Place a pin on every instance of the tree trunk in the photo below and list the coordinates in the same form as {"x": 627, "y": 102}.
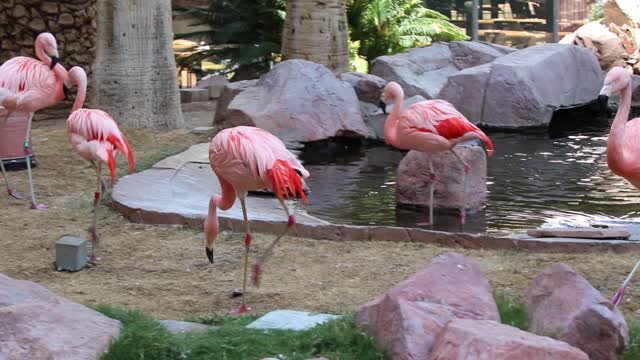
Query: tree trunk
{"x": 135, "y": 78}
{"x": 317, "y": 31}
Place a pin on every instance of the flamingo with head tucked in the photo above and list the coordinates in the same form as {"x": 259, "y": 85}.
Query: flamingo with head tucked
{"x": 623, "y": 145}
{"x": 430, "y": 126}
{"x": 28, "y": 85}
{"x": 95, "y": 136}
{"x": 248, "y": 158}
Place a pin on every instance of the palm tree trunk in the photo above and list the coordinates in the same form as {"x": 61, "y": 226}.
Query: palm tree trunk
{"x": 317, "y": 31}
{"x": 135, "y": 78}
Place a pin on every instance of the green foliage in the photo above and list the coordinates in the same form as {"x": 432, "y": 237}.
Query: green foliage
{"x": 512, "y": 312}
{"x": 596, "y": 13}
{"x": 633, "y": 350}
{"x": 356, "y": 61}
{"x": 391, "y": 26}
{"x": 246, "y": 33}
{"x": 144, "y": 338}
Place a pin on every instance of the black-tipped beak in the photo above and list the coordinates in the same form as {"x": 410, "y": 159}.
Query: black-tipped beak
{"x": 383, "y": 106}
{"x": 603, "y": 99}
{"x": 54, "y": 61}
{"x": 66, "y": 91}
{"x": 209, "y": 254}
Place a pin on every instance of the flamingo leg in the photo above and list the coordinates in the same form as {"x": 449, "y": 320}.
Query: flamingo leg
{"x": 431, "y": 189}
{"x": 27, "y": 152}
{"x": 620, "y": 293}
{"x": 247, "y": 245}
{"x": 10, "y": 189}
{"x": 257, "y": 267}
{"x": 463, "y": 209}
{"x": 96, "y": 203}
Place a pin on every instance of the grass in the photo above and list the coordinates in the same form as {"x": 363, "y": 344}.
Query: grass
{"x": 144, "y": 338}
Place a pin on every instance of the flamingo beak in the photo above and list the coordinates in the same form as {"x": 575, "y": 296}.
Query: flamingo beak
{"x": 209, "y": 254}
{"x": 383, "y": 106}
{"x": 54, "y": 61}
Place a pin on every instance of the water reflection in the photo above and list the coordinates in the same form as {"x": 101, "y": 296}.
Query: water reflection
{"x": 533, "y": 179}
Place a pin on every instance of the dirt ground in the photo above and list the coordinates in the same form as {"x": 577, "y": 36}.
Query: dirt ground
{"x": 163, "y": 270}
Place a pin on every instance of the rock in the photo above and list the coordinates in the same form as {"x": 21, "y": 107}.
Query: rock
{"x": 227, "y": 94}
{"x": 290, "y": 320}
{"x": 299, "y": 101}
{"x": 522, "y": 89}
{"x": 413, "y": 179}
{"x": 635, "y": 85}
{"x": 368, "y": 87}
{"x": 180, "y": 327}
{"x": 38, "y": 324}
{"x": 423, "y": 71}
{"x": 605, "y": 45}
{"x": 622, "y": 12}
{"x": 483, "y": 339}
{"x": 214, "y": 84}
{"x": 563, "y": 304}
{"x": 193, "y": 95}
{"x": 406, "y": 319}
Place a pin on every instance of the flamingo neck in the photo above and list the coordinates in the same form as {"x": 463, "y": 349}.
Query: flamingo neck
{"x": 41, "y": 55}
{"x": 224, "y": 202}
{"x": 391, "y": 124}
{"x": 615, "y": 145}
{"x": 81, "y": 95}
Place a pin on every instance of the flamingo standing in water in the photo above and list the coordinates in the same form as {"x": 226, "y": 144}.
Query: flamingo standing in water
{"x": 28, "y": 85}
{"x": 248, "y": 158}
{"x": 429, "y": 126}
{"x": 95, "y": 136}
{"x": 623, "y": 146}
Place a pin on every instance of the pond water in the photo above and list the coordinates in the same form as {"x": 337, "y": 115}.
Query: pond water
{"x": 534, "y": 178}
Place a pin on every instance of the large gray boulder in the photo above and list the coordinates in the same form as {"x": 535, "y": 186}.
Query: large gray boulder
{"x": 562, "y": 304}
{"x": 38, "y": 324}
{"x": 227, "y": 94}
{"x": 423, "y": 71}
{"x": 522, "y": 89}
{"x": 368, "y": 87}
{"x": 298, "y": 101}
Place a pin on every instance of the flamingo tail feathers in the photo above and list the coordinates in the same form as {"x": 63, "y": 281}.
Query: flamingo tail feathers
{"x": 122, "y": 145}
{"x": 111, "y": 163}
{"x": 285, "y": 181}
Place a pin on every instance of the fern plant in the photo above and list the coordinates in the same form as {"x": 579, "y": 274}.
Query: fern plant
{"x": 391, "y": 26}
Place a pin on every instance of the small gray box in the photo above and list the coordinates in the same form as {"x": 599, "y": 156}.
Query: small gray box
{"x": 71, "y": 253}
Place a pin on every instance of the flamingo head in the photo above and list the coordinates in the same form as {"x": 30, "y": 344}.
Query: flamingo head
{"x": 211, "y": 225}
{"x": 48, "y": 43}
{"x": 75, "y": 77}
{"x": 391, "y": 93}
{"x": 616, "y": 80}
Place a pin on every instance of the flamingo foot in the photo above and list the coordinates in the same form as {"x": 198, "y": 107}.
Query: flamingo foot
{"x": 94, "y": 259}
{"x": 618, "y": 297}
{"x": 14, "y": 194}
{"x": 35, "y": 206}
{"x": 467, "y": 168}
{"x": 432, "y": 178}
{"x": 257, "y": 274}
{"x": 241, "y": 310}
{"x": 463, "y": 217}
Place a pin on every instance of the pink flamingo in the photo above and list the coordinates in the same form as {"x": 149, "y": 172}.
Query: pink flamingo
{"x": 95, "y": 136}
{"x": 248, "y": 158}
{"x": 28, "y": 85}
{"x": 430, "y": 126}
{"x": 623, "y": 146}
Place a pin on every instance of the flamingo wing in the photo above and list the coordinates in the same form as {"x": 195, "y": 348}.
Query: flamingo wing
{"x": 442, "y": 118}
{"x": 23, "y": 73}
{"x": 251, "y": 158}
{"x": 97, "y": 126}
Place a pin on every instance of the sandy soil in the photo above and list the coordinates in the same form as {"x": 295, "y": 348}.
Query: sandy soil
{"x": 163, "y": 270}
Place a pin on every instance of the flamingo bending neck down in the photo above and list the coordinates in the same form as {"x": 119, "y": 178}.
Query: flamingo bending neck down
{"x": 623, "y": 145}
{"x": 95, "y": 136}
{"x": 28, "y": 85}
{"x": 430, "y": 126}
{"x": 248, "y": 158}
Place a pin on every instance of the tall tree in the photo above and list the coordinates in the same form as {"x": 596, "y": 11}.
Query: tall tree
{"x": 135, "y": 77}
{"x": 317, "y": 31}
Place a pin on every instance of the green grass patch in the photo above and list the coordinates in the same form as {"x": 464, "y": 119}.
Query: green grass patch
{"x": 144, "y": 338}
{"x": 633, "y": 351}
{"x": 512, "y": 312}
